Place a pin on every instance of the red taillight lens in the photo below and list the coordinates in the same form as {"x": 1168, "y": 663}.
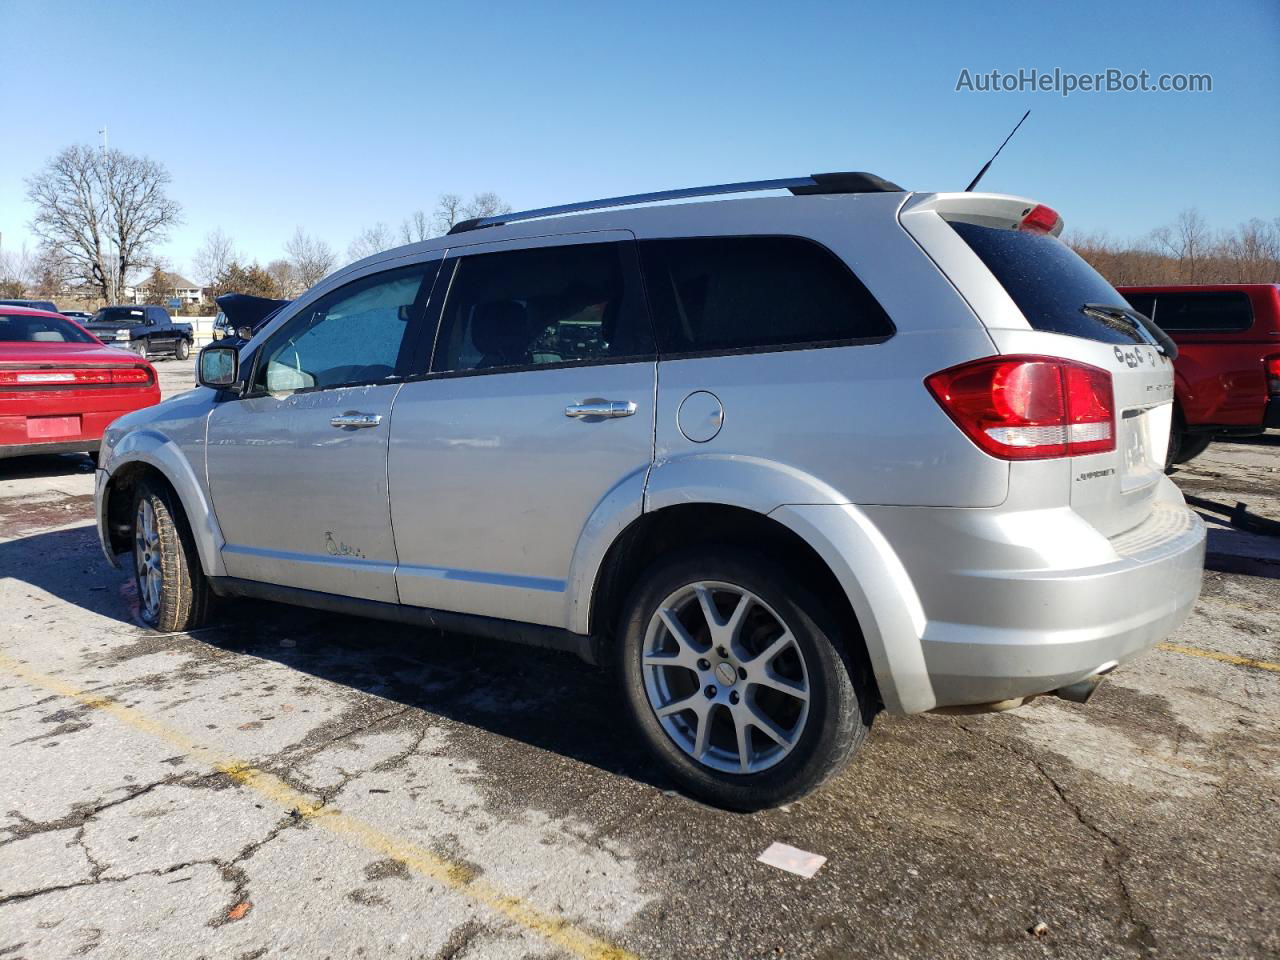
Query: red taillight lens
{"x": 1273, "y": 374}
{"x": 1039, "y": 219}
{"x": 1030, "y": 408}
{"x": 131, "y": 375}
{"x": 76, "y": 376}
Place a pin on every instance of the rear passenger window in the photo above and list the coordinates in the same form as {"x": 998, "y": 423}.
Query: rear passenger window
{"x": 755, "y": 293}
{"x": 1203, "y": 312}
{"x": 548, "y": 305}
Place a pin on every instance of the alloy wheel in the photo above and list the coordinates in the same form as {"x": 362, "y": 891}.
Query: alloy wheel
{"x": 725, "y": 677}
{"x": 146, "y": 558}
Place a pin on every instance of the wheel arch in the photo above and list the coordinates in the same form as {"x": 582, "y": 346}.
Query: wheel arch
{"x": 145, "y": 455}
{"x": 680, "y": 526}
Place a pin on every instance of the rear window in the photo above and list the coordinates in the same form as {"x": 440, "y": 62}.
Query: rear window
{"x": 1203, "y": 312}
{"x": 712, "y": 294}
{"x": 1049, "y": 283}
{"x": 20, "y": 328}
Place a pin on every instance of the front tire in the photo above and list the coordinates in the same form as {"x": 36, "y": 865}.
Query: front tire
{"x": 173, "y": 594}
{"x": 733, "y": 675}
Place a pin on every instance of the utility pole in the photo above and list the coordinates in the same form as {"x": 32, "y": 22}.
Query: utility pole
{"x": 115, "y": 265}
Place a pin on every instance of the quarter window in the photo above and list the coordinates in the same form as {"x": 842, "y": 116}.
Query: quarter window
{"x": 1203, "y": 312}
{"x": 548, "y": 305}
{"x": 755, "y": 293}
{"x": 352, "y": 335}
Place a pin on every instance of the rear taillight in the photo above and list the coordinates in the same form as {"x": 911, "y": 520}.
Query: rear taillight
{"x": 1030, "y": 408}
{"x": 76, "y": 376}
{"x": 1273, "y": 375}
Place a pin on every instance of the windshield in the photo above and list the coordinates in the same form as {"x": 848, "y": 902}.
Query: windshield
{"x": 119, "y": 315}
{"x": 1051, "y": 284}
{"x": 21, "y": 328}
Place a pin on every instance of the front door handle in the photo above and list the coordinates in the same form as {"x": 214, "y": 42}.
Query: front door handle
{"x": 604, "y": 409}
{"x": 356, "y": 420}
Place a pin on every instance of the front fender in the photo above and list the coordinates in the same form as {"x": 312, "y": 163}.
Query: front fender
{"x": 156, "y": 450}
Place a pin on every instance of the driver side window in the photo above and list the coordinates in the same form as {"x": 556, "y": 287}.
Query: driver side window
{"x": 352, "y": 335}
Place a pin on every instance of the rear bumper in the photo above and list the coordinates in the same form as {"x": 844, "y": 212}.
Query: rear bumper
{"x": 39, "y": 449}
{"x": 1018, "y": 603}
{"x": 1038, "y": 631}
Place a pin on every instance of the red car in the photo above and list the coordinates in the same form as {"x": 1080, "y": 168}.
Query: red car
{"x": 60, "y": 386}
{"x": 1227, "y": 375}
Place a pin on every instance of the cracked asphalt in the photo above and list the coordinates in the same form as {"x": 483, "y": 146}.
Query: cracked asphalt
{"x": 295, "y": 784}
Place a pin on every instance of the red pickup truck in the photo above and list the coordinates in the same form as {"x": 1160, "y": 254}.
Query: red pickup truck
{"x": 1227, "y": 375}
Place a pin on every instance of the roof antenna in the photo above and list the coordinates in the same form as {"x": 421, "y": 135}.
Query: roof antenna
{"x": 987, "y": 166}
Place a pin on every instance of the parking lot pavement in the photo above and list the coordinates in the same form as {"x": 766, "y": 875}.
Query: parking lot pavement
{"x": 300, "y": 784}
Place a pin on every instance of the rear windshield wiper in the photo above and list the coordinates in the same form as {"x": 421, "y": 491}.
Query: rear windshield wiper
{"x": 1110, "y": 313}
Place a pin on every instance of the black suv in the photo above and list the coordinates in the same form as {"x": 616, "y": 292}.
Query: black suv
{"x": 147, "y": 330}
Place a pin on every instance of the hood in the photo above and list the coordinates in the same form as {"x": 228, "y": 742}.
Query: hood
{"x": 243, "y": 310}
{"x": 65, "y": 353}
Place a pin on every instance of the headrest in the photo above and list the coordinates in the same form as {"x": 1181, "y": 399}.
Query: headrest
{"x": 501, "y": 329}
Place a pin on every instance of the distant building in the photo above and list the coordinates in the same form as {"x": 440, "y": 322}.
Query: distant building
{"x": 181, "y": 289}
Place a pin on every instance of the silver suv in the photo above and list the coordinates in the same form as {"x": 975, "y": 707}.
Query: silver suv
{"x": 780, "y": 461}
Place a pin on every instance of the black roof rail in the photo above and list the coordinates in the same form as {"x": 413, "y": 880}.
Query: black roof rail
{"x": 849, "y": 182}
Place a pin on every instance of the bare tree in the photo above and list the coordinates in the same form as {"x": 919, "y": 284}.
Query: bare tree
{"x": 487, "y": 204}
{"x": 311, "y": 258}
{"x": 213, "y": 256}
{"x": 282, "y": 276}
{"x": 415, "y": 228}
{"x": 371, "y": 240}
{"x": 50, "y": 274}
{"x": 451, "y": 210}
{"x": 16, "y": 273}
{"x": 102, "y": 211}
{"x": 1253, "y": 251}
{"x": 1186, "y": 241}
{"x": 1187, "y": 252}
{"x": 448, "y": 212}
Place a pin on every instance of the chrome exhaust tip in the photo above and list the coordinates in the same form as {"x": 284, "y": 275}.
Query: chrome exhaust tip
{"x": 1082, "y": 691}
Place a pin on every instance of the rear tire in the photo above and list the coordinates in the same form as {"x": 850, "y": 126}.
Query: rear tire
{"x": 1184, "y": 446}
{"x": 173, "y": 594}
{"x": 775, "y": 663}
{"x": 182, "y": 350}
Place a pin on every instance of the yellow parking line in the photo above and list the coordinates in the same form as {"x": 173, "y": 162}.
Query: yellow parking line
{"x": 454, "y": 876}
{"x": 1223, "y": 657}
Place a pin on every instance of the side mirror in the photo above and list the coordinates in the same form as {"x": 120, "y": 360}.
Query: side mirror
{"x": 244, "y": 333}
{"x": 218, "y": 367}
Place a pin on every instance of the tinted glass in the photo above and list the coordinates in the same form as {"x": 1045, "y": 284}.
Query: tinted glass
{"x": 33, "y": 304}
{"x": 120, "y": 315}
{"x": 535, "y": 307}
{"x": 352, "y": 335}
{"x": 1049, "y": 283}
{"x": 1144, "y": 303}
{"x": 751, "y": 293}
{"x": 18, "y": 328}
{"x": 1204, "y": 312}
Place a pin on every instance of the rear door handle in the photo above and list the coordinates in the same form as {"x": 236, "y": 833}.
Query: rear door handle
{"x": 604, "y": 409}
{"x": 356, "y": 420}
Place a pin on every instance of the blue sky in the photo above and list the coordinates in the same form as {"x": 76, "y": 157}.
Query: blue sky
{"x": 334, "y": 115}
